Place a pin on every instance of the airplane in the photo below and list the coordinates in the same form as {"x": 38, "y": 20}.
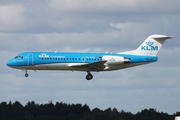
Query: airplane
{"x": 90, "y": 62}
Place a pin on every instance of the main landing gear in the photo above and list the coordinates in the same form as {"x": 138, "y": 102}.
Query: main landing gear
{"x": 89, "y": 76}
{"x": 26, "y": 74}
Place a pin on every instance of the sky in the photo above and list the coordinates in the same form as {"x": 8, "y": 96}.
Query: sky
{"x": 92, "y": 26}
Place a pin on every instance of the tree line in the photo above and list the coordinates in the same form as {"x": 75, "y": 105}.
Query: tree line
{"x": 63, "y": 111}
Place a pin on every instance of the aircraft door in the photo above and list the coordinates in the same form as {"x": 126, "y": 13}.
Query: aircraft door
{"x": 30, "y": 59}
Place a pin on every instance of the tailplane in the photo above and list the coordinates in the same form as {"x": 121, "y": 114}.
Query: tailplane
{"x": 151, "y": 45}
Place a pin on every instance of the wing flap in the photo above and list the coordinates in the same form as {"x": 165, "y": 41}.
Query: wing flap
{"x": 95, "y": 66}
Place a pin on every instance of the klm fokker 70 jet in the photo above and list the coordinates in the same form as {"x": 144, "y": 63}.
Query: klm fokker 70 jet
{"x": 89, "y": 62}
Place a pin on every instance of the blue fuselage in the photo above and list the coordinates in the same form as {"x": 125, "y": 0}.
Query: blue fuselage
{"x": 64, "y": 60}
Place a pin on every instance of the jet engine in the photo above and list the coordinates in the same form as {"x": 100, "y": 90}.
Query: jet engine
{"x": 115, "y": 59}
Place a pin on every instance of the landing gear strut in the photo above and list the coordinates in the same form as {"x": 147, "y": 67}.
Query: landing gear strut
{"x": 26, "y": 74}
{"x": 89, "y": 76}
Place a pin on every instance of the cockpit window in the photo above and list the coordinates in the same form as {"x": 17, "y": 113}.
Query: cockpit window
{"x": 20, "y": 57}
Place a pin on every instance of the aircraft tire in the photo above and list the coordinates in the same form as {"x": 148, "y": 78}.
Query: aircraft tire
{"x": 26, "y": 75}
{"x": 89, "y": 77}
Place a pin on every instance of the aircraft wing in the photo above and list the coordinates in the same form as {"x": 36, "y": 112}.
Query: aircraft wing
{"x": 95, "y": 66}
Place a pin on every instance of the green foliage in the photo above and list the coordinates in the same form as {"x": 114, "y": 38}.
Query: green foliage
{"x": 63, "y": 111}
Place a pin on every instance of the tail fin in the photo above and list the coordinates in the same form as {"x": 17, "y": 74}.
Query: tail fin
{"x": 151, "y": 45}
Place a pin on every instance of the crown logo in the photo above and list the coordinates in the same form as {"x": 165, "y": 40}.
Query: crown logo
{"x": 149, "y": 43}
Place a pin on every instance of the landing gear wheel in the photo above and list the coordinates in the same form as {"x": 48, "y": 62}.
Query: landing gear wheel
{"x": 89, "y": 76}
{"x": 26, "y": 75}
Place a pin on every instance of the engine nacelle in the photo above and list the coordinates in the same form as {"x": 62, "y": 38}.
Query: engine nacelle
{"x": 115, "y": 59}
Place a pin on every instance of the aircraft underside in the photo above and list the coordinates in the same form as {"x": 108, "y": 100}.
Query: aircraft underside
{"x": 62, "y": 66}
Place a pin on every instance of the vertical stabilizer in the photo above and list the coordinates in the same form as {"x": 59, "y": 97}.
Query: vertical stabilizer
{"x": 151, "y": 45}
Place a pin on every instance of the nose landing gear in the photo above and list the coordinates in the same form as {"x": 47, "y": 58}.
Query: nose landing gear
{"x": 26, "y": 74}
{"x": 89, "y": 76}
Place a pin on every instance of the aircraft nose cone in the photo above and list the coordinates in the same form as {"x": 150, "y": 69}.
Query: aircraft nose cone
{"x": 9, "y": 63}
